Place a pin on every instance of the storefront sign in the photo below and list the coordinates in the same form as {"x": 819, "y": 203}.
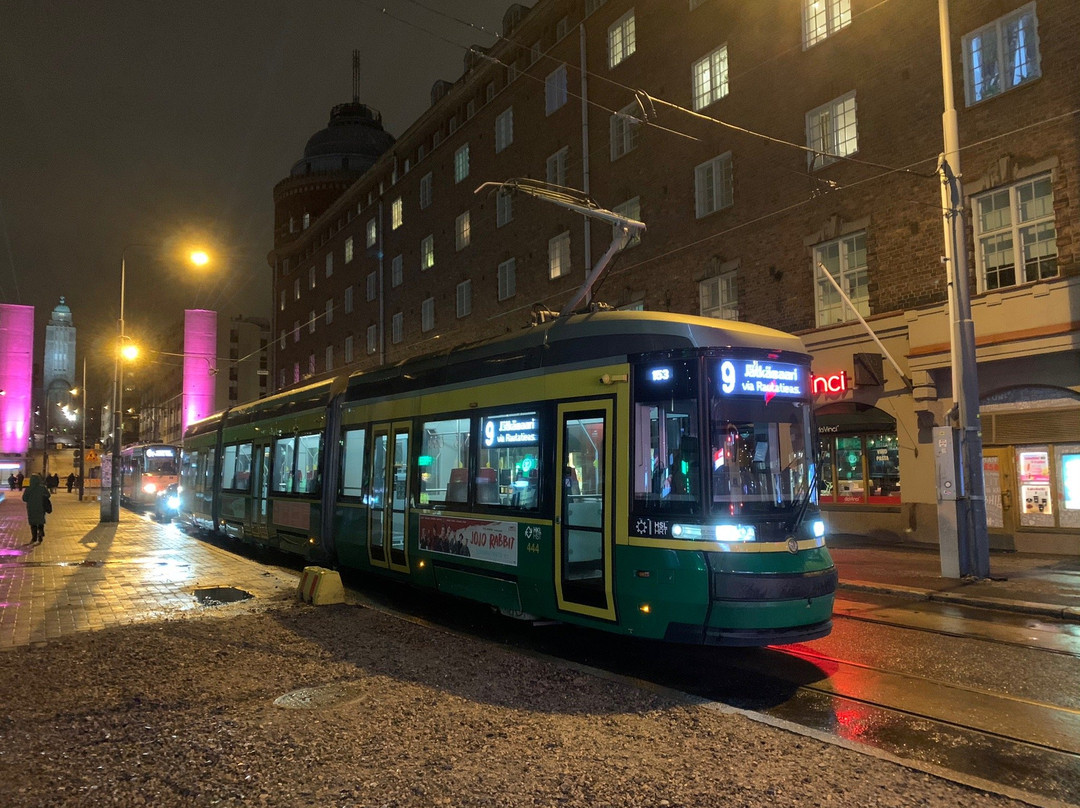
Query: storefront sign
{"x": 830, "y": 384}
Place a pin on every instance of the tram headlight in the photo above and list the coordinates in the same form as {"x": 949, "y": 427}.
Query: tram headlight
{"x": 685, "y": 531}
{"x": 150, "y": 488}
{"x": 735, "y": 533}
{"x": 818, "y": 528}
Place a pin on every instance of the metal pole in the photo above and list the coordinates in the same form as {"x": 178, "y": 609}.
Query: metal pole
{"x": 973, "y": 545}
{"x": 82, "y": 443}
{"x": 45, "y": 440}
{"x": 118, "y": 400}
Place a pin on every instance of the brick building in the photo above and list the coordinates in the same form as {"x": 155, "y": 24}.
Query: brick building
{"x": 758, "y": 142}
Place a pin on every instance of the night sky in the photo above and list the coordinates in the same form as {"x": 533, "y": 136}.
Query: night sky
{"x": 152, "y": 122}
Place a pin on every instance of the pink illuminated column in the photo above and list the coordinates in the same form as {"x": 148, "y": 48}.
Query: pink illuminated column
{"x": 16, "y": 376}
{"x": 200, "y": 364}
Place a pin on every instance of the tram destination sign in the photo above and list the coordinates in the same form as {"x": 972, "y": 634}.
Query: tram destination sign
{"x": 753, "y": 377}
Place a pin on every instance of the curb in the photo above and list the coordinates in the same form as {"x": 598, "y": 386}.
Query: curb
{"x": 1070, "y": 613}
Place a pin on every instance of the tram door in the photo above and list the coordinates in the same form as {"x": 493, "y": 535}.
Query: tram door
{"x": 583, "y": 523}
{"x": 388, "y": 497}
{"x": 260, "y": 486}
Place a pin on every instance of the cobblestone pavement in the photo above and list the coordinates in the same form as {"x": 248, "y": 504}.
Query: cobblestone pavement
{"x": 88, "y": 575}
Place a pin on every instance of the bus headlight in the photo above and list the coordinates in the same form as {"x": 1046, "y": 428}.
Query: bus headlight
{"x": 819, "y": 528}
{"x": 150, "y": 488}
{"x": 173, "y": 503}
{"x": 735, "y": 533}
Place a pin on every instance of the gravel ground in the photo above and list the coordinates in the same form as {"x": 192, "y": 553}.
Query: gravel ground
{"x": 183, "y": 713}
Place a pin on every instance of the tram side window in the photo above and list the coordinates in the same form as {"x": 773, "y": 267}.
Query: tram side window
{"x": 667, "y": 449}
{"x": 236, "y": 467}
{"x": 307, "y": 463}
{"x": 508, "y": 461}
{"x": 228, "y": 467}
{"x": 352, "y": 463}
{"x": 208, "y": 471}
{"x": 284, "y": 457}
{"x": 444, "y": 461}
{"x": 189, "y": 470}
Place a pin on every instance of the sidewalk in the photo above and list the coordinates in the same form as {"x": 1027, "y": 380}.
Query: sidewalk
{"x": 87, "y": 575}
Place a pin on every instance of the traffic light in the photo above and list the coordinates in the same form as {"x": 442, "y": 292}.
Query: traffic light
{"x": 77, "y": 453}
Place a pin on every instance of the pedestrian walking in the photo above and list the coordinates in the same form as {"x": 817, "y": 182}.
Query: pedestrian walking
{"x": 71, "y": 481}
{"x": 52, "y": 482}
{"x": 11, "y": 481}
{"x": 38, "y": 503}
{"x": 18, "y": 481}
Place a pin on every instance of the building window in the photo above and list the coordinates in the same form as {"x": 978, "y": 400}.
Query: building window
{"x": 559, "y": 255}
{"x": 311, "y": 322}
{"x": 462, "y": 231}
{"x": 281, "y": 306}
{"x": 348, "y": 249}
{"x": 470, "y": 109}
{"x": 329, "y": 311}
{"x": 348, "y": 349}
{"x": 311, "y": 277}
{"x": 425, "y": 191}
{"x": 307, "y": 221}
{"x": 631, "y": 209}
{"x": 372, "y": 281}
{"x": 719, "y": 297}
{"x": 504, "y": 208}
{"x": 1018, "y": 219}
{"x": 427, "y": 314}
{"x": 555, "y": 89}
{"x": 713, "y": 186}
{"x": 621, "y": 40}
{"x": 373, "y": 339}
{"x": 397, "y": 328}
{"x": 845, "y": 260}
{"x": 464, "y": 299}
{"x": 831, "y": 131}
{"x": 592, "y": 5}
{"x": 710, "y": 78}
{"x": 296, "y": 289}
{"x": 489, "y": 92}
{"x": 311, "y": 364}
{"x": 281, "y": 340}
{"x": 296, "y": 331}
{"x": 534, "y": 53}
{"x": 372, "y": 233}
{"x": 453, "y": 124}
{"x": 348, "y": 300}
{"x": 329, "y": 264}
{"x": 329, "y": 357}
{"x": 562, "y": 28}
{"x": 1001, "y": 55}
{"x": 397, "y": 271}
{"x": 504, "y": 129}
{"x": 461, "y": 163}
{"x": 823, "y": 18}
{"x": 623, "y": 127}
{"x": 296, "y": 372}
{"x": 427, "y": 253}
{"x": 396, "y": 214}
{"x": 556, "y": 167}
{"x": 507, "y": 279}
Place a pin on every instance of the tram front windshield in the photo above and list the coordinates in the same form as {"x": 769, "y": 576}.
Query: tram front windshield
{"x": 160, "y": 461}
{"x": 759, "y": 461}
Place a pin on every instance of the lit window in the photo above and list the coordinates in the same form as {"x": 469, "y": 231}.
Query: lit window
{"x": 504, "y": 208}
{"x": 710, "y": 78}
{"x": 631, "y": 209}
{"x": 1016, "y": 222}
{"x": 348, "y": 249}
{"x": 372, "y": 279}
{"x": 307, "y": 221}
{"x": 281, "y": 340}
{"x": 556, "y": 167}
{"x": 845, "y": 260}
{"x": 395, "y": 214}
{"x": 507, "y": 279}
{"x": 719, "y": 296}
{"x": 462, "y": 231}
{"x": 831, "y": 131}
{"x": 425, "y": 191}
{"x": 464, "y": 299}
{"x": 311, "y": 364}
{"x": 461, "y": 163}
{"x": 427, "y": 252}
{"x": 296, "y": 372}
{"x": 281, "y": 306}
{"x": 555, "y": 89}
{"x": 823, "y": 18}
{"x": 296, "y": 289}
{"x": 621, "y": 39}
{"x": 713, "y": 186}
{"x": 372, "y": 233}
{"x": 329, "y": 264}
{"x": 427, "y": 314}
{"x": 559, "y": 255}
{"x": 624, "y": 126}
{"x": 397, "y": 270}
{"x": 1001, "y": 55}
{"x": 372, "y": 339}
{"x": 397, "y": 328}
{"x": 311, "y": 277}
{"x": 504, "y": 129}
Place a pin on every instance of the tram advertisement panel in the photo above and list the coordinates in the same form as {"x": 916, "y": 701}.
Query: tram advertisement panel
{"x": 474, "y": 538}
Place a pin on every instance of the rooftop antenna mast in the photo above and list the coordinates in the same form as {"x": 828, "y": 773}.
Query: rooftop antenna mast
{"x": 571, "y": 199}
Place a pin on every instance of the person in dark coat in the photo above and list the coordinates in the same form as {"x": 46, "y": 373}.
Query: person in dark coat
{"x": 11, "y": 482}
{"x": 36, "y": 496}
{"x": 19, "y": 481}
{"x": 71, "y": 481}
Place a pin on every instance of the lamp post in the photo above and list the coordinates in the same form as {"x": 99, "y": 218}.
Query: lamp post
{"x": 82, "y": 441}
{"x": 968, "y": 522}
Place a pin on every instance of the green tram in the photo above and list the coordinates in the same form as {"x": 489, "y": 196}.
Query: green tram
{"x": 642, "y": 473}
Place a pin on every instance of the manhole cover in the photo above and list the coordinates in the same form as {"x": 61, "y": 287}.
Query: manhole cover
{"x": 312, "y": 698}
{"x": 220, "y": 595}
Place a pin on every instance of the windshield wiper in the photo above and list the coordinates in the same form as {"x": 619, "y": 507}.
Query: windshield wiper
{"x": 803, "y": 504}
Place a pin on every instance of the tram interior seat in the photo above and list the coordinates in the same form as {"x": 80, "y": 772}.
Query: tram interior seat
{"x": 457, "y": 489}
{"x": 525, "y": 496}
{"x": 487, "y": 488}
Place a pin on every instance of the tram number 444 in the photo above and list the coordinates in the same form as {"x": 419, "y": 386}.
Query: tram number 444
{"x": 533, "y": 547}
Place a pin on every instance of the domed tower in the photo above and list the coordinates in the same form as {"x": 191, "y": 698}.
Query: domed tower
{"x": 59, "y": 365}
{"x": 334, "y": 159}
